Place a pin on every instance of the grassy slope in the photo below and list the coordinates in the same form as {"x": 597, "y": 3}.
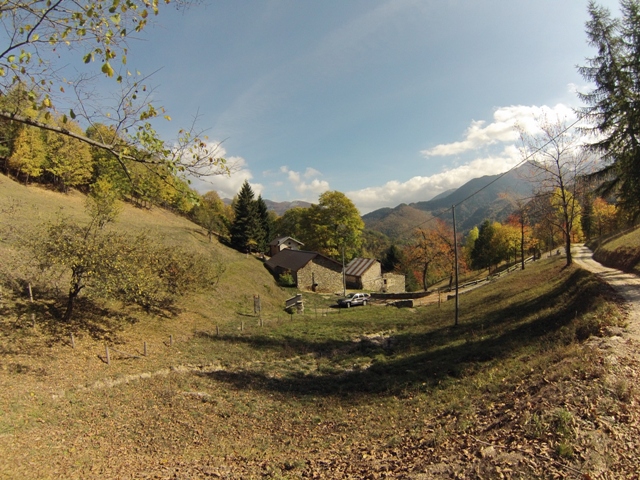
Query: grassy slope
{"x": 369, "y": 392}
{"x": 620, "y": 251}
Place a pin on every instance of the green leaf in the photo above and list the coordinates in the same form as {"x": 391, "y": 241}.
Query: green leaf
{"x": 72, "y": 114}
{"x": 107, "y": 70}
{"x": 87, "y": 58}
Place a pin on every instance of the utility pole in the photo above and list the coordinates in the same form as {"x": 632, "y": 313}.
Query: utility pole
{"x": 344, "y": 278}
{"x": 455, "y": 255}
{"x": 340, "y": 229}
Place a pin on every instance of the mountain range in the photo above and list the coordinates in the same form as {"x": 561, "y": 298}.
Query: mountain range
{"x": 488, "y": 197}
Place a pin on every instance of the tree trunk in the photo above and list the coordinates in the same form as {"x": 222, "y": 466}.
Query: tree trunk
{"x": 70, "y": 300}
{"x": 73, "y": 293}
{"x": 425, "y": 269}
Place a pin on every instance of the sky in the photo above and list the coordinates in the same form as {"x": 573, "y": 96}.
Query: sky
{"x": 389, "y": 102}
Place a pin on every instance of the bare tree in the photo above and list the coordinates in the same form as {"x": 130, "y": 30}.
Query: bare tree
{"x": 559, "y": 161}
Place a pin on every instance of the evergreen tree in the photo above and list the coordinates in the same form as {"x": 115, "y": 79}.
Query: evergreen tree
{"x": 264, "y": 224}
{"x": 392, "y": 260}
{"x": 613, "y": 106}
{"x": 245, "y": 231}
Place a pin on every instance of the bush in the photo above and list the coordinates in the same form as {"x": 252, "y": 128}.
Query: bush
{"x": 287, "y": 280}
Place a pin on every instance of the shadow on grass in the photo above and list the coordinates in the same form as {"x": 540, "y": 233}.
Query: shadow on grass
{"x": 91, "y": 318}
{"x": 426, "y": 359}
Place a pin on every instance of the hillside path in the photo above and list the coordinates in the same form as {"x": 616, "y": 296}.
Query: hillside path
{"x": 627, "y": 285}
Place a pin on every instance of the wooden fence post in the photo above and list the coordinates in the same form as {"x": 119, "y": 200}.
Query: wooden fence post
{"x": 30, "y": 293}
{"x": 171, "y": 340}
{"x": 107, "y": 354}
{"x": 73, "y": 341}
{"x": 144, "y": 348}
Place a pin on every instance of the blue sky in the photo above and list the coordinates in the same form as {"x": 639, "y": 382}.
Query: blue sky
{"x": 387, "y": 101}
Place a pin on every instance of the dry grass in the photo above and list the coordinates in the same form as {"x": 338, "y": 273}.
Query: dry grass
{"x": 621, "y": 251}
{"x": 370, "y": 392}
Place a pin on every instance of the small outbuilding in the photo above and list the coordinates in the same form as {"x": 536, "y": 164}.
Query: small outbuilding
{"x": 366, "y": 274}
{"x": 281, "y": 243}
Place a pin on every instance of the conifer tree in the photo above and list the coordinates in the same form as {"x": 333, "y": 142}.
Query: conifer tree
{"x": 264, "y": 224}
{"x": 245, "y": 231}
{"x": 613, "y": 106}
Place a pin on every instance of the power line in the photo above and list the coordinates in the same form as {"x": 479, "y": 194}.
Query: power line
{"x": 518, "y": 165}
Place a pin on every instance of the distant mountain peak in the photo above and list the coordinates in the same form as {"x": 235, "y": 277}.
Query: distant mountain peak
{"x": 477, "y": 200}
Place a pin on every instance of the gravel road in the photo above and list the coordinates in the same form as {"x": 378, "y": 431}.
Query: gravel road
{"x": 626, "y": 284}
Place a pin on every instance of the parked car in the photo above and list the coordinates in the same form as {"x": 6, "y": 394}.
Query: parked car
{"x": 354, "y": 299}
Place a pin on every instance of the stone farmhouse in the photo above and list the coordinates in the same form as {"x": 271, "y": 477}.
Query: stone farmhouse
{"x": 311, "y": 271}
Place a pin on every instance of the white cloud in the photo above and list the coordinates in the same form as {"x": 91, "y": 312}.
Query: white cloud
{"x": 305, "y": 184}
{"x": 500, "y": 133}
{"x": 228, "y": 186}
{"x": 501, "y": 130}
{"x": 419, "y": 188}
{"x": 311, "y": 172}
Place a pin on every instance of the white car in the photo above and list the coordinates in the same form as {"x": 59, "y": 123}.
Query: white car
{"x": 354, "y": 299}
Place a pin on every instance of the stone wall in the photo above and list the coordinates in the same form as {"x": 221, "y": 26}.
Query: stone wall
{"x": 393, "y": 283}
{"x": 320, "y": 275}
{"x": 372, "y": 278}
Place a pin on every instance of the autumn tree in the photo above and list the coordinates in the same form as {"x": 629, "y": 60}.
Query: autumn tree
{"x": 134, "y": 269}
{"x": 558, "y": 202}
{"x": 613, "y": 105}
{"x": 604, "y": 216}
{"x": 292, "y": 223}
{"x": 333, "y": 226}
{"x": 29, "y": 154}
{"x": 432, "y": 251}
{"x": 68, "y": 159}
{"x": 22, "y": 146}
{"x": 210, "y": 214}
{"x": 37, "y": 33}
{"x": 103, "y": 202}
{"x": 543, "y": 217}
{"x": 468, "y": 243}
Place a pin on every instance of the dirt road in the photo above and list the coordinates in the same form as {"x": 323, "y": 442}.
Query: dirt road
{"x": 627, "y": 285}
